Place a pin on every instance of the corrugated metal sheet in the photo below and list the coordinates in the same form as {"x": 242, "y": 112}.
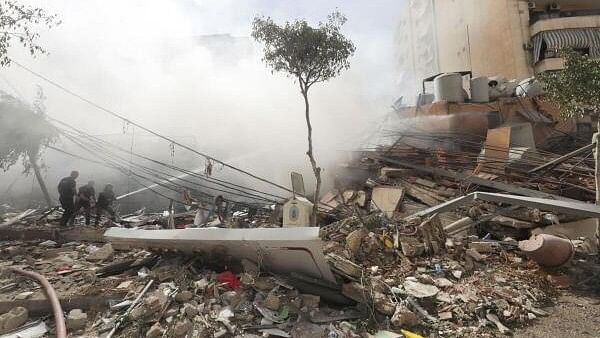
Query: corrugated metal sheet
{"x": 577, "y": 38}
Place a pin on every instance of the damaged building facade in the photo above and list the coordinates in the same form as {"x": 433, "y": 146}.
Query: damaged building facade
{"x": 515, "y": 39}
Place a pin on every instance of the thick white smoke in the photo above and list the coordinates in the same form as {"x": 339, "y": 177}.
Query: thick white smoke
{"x": 163, "y": 64}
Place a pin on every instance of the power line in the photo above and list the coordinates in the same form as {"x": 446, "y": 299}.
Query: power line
{"x": 96, "y": 149}
{"x": 165, "y": 177}
{"x": 146, "y": 129}
{"x": 125, "y": 171}
{"x": 222, "y": 183}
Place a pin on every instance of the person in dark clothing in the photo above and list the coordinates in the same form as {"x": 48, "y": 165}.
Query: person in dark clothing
{"x": 86, "y": 199}
{"x": 67, "y": 187}
{"x": 103, "y": 204}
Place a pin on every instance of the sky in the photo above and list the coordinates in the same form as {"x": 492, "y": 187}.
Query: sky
{"x": 143, "y": 60}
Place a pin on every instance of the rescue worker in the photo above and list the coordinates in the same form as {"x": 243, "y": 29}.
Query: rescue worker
{"x": 86, "y": 199}
{"x": 103, "y": 204}
{"x": 67, "y": 188}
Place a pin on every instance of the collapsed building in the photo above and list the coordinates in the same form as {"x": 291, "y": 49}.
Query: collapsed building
{"x": 464, "y": 217}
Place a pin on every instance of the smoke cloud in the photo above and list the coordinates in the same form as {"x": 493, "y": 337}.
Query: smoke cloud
{"x": 189, "y": 69}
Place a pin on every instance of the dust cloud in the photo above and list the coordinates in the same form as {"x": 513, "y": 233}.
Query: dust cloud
{"x": 189, "y": 70}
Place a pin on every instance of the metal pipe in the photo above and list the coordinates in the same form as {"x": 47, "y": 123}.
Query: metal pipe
{"x": 59, "y": 318}
{"x": 124, "y": 316}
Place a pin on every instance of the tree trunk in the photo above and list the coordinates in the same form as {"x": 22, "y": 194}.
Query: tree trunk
{"x": 597, "y": 162}
{"x": 40, "y": 179}
{"x": 313, "y": 162}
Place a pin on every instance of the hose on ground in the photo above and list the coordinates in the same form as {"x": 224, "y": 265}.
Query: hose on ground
{"x": 59, "y": 318}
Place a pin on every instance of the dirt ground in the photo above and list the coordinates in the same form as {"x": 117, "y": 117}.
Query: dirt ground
{"x": 574, "y": 315}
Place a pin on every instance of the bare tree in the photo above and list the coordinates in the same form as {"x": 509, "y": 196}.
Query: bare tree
{"x": 309, "y": 55}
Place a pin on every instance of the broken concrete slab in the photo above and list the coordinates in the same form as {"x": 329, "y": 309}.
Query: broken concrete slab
{"x": 420, "y": 290}
{"x": 76, "y": 319}
{"x": 182, "y": 328}
{"x": 184, "y": 296}
{"x": 386, "y": 173}
{"x": 468, "y": 177}
{"x": 474, "y": 254}
{"x": 354, "y": 240}
{"x": 387, "y": 199}
{"x": 155, "y": 331}
{"x": 13, "y": 319}
{"x": 102, "y": 254}
{"x": 328, "y": 202}
{"x": 281, "y": 250}
{"x": 344, "y": 266}
{"x": 17, "y": 218}
{"x": 421, "y": 194}
{"x": 33, "y": 330}
{"x": 404, "y": 317}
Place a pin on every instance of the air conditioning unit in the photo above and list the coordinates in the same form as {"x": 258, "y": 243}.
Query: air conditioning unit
{"x": 554, "y": 7}
{"x": 531, "y": 5}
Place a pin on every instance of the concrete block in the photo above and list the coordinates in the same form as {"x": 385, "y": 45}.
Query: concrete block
{"x": 281, "y": 250}
{"x": 13, "y": 319}
{"x": 76, "y": 319}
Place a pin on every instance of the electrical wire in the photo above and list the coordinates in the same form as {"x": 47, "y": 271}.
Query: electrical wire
{"x": 165, "y": 177}
{"x": 215, "y": 181}
{"x": 170, "y": 140}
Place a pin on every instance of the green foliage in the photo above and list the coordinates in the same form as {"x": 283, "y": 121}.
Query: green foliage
{"x": 306, "y": 53}
{"x": 17, "y": 22}
{"x": 24, "y": 130}
{"x": 576, "y": 89}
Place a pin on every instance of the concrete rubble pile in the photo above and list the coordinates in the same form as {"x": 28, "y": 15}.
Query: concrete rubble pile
{"x": 408, "y": 246}
{"x": 389, "y": 276}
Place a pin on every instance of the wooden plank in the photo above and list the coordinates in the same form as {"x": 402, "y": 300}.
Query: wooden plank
{"x": 473, "y": 179}
{"x": 43, "y": 307}
{"x": 563, "y": 158}
{"x": 426, "y": 196}
{"x": 512, "y": 222}
{"x": 346, "y": 267}
{"x": 570, "y": 207}
{"x": 54, "y": 234}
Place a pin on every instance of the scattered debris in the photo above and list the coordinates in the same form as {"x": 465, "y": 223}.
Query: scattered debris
{"x": 13, "y": 319}
{"x": 410, "y": 249}
{"x": 76, "y": 319}
{"x": 548, "y": 251}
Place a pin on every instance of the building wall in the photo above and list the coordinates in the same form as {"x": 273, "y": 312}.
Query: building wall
{"x": 489, "y": 37}
{"x": 485, "y": 36}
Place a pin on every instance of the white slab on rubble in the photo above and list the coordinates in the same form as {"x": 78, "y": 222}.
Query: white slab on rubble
{"x": 282, "y": 250}
{"x": 387, "y": 198}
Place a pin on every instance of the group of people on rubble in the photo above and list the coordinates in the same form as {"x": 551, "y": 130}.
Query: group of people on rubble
{"x": 72, "y": 201}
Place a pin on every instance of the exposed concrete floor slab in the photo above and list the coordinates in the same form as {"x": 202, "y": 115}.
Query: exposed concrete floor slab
{"x": 281, "y": 250}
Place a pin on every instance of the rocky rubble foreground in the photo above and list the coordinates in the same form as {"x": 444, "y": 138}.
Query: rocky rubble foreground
{"x": 392, "y": 281}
